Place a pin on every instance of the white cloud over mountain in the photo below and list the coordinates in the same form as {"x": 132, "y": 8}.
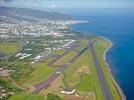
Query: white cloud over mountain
{"x": 71, "y": 3}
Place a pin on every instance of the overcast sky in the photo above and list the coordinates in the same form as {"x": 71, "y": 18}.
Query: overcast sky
{"x": 69, "y": 3}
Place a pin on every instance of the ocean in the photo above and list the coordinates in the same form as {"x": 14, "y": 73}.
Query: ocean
{"x": 119, "y": 28}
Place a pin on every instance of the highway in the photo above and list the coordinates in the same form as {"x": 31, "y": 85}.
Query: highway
{"x": 103, "y": 82}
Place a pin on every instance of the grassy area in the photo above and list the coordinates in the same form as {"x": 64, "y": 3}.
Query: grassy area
{"x": 72, "y": 74}
{"x": 27, "y": 96}
{"x": 9, "y": 48}
{"x": 40, "y": 72}
{"x": 31, "y": 96}
{"x": 56, "y": 86}
{"x": 86, "y": 83}
{"x": 82, "y": 75}
{"x": 53, "y": 97}
{"x": 7, "y": 85}
{"x": 21, "y": 70}
{"x": 29, "y": 75}
{"x": 84, "y": 42}
{"x": 100, "y": 46}
{"x": 65, "y": 58}
{"x": 58, "y": 52}
{"x": 97, "y": 88}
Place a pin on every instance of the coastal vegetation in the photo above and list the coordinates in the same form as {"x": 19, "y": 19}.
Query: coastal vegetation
{"x": 101, "y": 46}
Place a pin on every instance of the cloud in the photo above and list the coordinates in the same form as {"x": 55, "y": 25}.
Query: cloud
{"x": 53, "y": 6}
{"x": 6, "y": 0}
{"x": 21, "y": 1}
{"x": 69, "y": 3}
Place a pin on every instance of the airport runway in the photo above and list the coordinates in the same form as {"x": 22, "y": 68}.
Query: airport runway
{"x": 45, "y": 84}
{"x": 103, "y": 82}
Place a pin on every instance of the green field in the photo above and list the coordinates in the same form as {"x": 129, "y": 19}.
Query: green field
{"x": 4, "y": 82}
{"x": 9, "y": 48}
{"x": 40, "y": 72}
{"x": 29, "y": 75}
{"x": 31, "y": 96}
{"x": 58, "y": 52}
{"x": 20, "y": 70}
{"x": 65, "y": 58}
{"x": 72, "y": 73}
{"x": 86, "y": 83}
{"x": 82, "y": 80}
{"x": 82, "y": 76}
{"x": 27, "y": 96}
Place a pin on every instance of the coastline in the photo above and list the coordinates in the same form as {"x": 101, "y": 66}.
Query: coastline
{"x": 120, "y": 91}
{"x": 122, "y": 95}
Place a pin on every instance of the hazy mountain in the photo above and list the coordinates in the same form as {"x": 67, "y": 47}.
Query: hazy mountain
{"x": 25, "y": 13}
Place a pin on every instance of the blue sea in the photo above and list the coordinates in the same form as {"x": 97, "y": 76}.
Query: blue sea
{"x": 119, "y": 28}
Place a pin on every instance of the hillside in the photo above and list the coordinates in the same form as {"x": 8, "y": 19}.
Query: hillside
{"x": 25, "y": 13}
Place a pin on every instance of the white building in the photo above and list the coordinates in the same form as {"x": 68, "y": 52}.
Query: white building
{"x": 68, "y": 91}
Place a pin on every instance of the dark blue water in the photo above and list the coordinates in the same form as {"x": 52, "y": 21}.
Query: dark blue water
{"x": 119, "y": 28}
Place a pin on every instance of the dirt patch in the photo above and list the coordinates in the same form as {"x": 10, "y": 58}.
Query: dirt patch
{"x": 55, "y": 87}
{"x": 5, "y": 73}
{"x": 83, "y": 96}
{"x": 83, "y": 69}
{"x": 90, "y": 96}
{"x": 31, "y": 89}
{"x": 73, "y": 98}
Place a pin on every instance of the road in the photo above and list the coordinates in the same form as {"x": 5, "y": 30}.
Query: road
{"x": 45, "y": 84}
{"x": 103, "y": 82}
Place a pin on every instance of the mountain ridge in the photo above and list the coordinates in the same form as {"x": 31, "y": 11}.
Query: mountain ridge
{"x": 11, "y": 11}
